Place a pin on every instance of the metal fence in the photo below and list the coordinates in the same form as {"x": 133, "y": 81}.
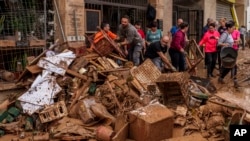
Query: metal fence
{"x": 24, "y": 31}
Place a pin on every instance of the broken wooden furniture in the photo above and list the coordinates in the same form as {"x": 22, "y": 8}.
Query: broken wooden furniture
{"x": 194, "y": 57}
{"x": 54, "y": 111}
{"x": 172, "y": 87}
{"x": 146, "y": 74}
{"x": 105, "y": 46}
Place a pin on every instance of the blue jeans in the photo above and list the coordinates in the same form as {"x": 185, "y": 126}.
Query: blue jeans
{"x": 134, "y": 54}
{"x": 158, "y": 63}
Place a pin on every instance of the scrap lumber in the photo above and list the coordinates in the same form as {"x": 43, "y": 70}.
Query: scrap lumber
{"x": 239, "y": 101}
{"x": 114, "y": 95}
{"x": 80, "y": 91}
{"x": 117, "y": 57}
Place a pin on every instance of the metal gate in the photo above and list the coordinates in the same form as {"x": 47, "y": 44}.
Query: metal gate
{"x": 194, "y": 19}
{"x": 112, "y": 11}
{"x": 223, "y": 10}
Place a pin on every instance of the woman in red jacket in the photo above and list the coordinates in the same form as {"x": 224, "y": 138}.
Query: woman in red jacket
{"x": 209, "y": 41}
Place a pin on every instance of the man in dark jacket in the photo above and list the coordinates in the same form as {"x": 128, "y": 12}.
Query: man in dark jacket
{"x": 156, "y": 52}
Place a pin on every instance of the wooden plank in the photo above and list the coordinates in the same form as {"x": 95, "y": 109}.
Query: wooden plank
{"x": 103, "y": 63}
{"x": 7, "y": 86}
{"x": 7, "y": 43}
{"x": 236, "y": 99}
{"x": 34, "y": 69}
{"x": 122, "y": 134}
{"x": 35, "y": 43}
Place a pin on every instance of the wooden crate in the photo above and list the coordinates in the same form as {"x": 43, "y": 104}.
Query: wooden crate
{"x": 7, "y": 43}
{"x": 172, "y": 86}
{"x": 79, "y": 48}
{"x": 104, "y": 47}
{"x": 52, "y": 112}
{"x": 37, "y": 43}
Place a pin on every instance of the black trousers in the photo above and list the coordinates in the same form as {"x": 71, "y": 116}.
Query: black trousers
{"x": 242, "y": 41}
{"x": 211, "y": 61}
{"x": 177, "y": 59}
{"x": 225, "y": 71}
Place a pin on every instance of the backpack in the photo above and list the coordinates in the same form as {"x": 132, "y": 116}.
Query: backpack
{"x": 150, "y": 13}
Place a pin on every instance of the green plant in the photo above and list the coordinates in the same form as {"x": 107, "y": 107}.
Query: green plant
{"x": 18, "y": 23}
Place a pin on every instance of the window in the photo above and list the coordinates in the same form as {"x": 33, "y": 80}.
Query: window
{"x": 93, "y": 19}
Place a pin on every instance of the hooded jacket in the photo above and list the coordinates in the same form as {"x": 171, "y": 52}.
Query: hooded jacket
{"x": 210, "y": 41}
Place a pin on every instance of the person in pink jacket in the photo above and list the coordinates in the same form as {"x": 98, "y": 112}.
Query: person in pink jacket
{"x": 209, "y": 41}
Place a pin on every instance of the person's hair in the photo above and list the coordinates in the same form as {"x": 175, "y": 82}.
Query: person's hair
{"x": 138, "y": 23}
{"x": 153, "y": 24}
{"x": 223, "y": 19}
{"x": 230, "y": 24}
{"x": 103, "y": 24}
{"x": 212, "y": 24}
{"x": 183, "y": 25}
{"x": 126, "y": 17}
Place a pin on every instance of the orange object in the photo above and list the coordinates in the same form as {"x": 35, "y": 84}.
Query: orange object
{"x": 99, "y": 36}
{"x": 104, "y": 133}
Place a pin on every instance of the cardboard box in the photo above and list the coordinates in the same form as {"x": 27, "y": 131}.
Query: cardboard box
{"x": 151, "y": 123}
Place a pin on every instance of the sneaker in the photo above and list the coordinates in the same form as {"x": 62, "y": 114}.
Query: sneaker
{"x": 220, "y": 80}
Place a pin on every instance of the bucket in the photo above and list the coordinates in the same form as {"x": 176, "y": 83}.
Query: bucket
{"x": 194, "y": 102}
{"x": 228, "y": 57}
{"x": 104, "y": 133}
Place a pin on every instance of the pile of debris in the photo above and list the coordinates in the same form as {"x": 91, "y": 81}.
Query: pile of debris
{"x": 102, "y": 96}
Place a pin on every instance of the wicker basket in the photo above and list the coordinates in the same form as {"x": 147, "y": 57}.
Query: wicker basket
{"x": 146, "y": 74}
{"x": 104, "y": 47}
{"x": 172, "y": 86}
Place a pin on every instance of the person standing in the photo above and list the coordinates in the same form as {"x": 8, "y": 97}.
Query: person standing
{"x": 226, "y": 41}
{"x": 156, "y": 52}
{"x": 243, "y": 32}
{"x": 153, "y": 34}
{"x": 204, "y": 30}
{"x": 206, "y": 27}
{"x": 209, "y": 41}
{"x": 176, "y": 50}
{"x": 236, "y": 37}
{"x": 129, "y": 36}
{"x": 106, "y": 28}
{"x": 175, "y": 28}
{"x": 221, "y": 30}
{"x": 141, "y": 32}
